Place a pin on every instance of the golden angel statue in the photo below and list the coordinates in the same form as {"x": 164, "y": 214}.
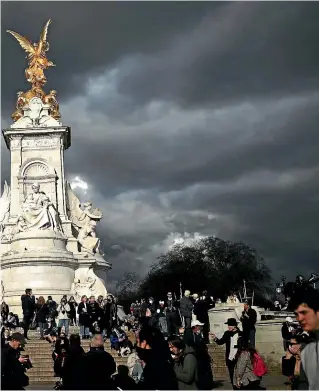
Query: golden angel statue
{"x": 36, "y": 56}
{"x": 83, "y": 221}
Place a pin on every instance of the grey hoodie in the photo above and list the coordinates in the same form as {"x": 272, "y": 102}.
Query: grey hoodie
{"x": 310, "y": 362}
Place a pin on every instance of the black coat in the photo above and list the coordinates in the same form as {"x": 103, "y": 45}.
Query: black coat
{"x": 42, "y": 313}
{"x": 13, "y": 376}
{"x": 73, "y": 369}
{"x": 100, "y": 366}
{"x": 186, "y": 307}
{"x": 84, "y": 317}
{"x": 250, "y": 321}
{"x": 201, "y": 308}
{"x": 95, "y": 312}
{"x": 28, "y": 305}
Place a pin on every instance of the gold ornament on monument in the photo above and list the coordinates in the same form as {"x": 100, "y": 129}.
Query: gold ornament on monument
{"x": 34, "y": 73}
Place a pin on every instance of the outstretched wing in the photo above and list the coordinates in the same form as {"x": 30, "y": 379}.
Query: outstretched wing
{"x": 73, "y": 207}
{"x": 24, "y": 42}
{"x": 5, "y": 202}
{"x": 43, "y": 36}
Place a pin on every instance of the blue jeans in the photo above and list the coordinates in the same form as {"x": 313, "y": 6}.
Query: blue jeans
{"x": 42, "y": 327}
{"x": 65, "y": 323}
{"x": 84, "y": 331}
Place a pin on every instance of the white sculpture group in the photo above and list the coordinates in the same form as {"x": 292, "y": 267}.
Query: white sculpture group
{"x": 39, "y": 213}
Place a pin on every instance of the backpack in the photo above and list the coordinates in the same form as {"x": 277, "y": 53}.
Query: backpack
{"x": 259, "y": 368}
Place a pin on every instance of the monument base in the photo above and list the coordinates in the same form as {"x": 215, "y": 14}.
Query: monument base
{"x": 37, "y": 260}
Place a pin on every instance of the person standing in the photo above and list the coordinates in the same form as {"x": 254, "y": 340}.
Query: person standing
{"x": 63, "y": 316}
{"x": 193, "y": 338}
{"x": 248, "y": 320}
{"x": 201, "y": 308}
{"x": 186, "y": 308}
{"x": 230, "y": 339}
{"x": 110, "y": 314}
{"x": 84, "y": 318}
{"x": 185, "y": 364}
{"x": 42, "y": 313}
{"x": 95, "y": 315}
{"x": 28, "y": 308}
{"x": 171, "y": 314}
{"x": 73, "y": 304}
{"x": 162, "y": 323}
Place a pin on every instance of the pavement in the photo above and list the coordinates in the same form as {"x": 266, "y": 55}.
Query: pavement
{"x": 269, "y": 382}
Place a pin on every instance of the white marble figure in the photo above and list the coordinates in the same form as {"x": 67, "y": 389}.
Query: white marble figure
{"x": 36, "y": 114}
{"x": 4, "y": 206}
{"x": 84, "y": 222}
{"x": 38, "y": 212}
{"x": 79, "y": 288}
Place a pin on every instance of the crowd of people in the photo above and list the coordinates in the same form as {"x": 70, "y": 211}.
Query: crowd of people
{"x": 51, "y": 317}
{"x": 158, "y": 357}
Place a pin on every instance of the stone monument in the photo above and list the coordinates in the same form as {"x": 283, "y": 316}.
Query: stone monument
{"x": 48, "y": 237}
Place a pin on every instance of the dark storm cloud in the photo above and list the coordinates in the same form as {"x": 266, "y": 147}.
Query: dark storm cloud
{"x": 237, "y": 51}
{"x": 89, "y": 36}
{"x": 186, "y": 118}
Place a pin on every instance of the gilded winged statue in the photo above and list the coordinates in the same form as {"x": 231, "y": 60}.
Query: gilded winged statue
{"x": 83, "y": 221}
{"x": 36, "y": 56}
{"x": 37, "y": 63}
{"x": 4, "y": 205}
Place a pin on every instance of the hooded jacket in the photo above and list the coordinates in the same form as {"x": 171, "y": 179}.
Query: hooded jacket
{"x": 310, "y": 362}
{"x": 186, "y": 370}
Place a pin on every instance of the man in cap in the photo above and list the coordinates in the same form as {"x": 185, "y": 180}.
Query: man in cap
{"x": 13, "y": 375}
{"x": 186, "y": 308}
{"x": 193, "y": 337}
{"x": 230, "y": 338}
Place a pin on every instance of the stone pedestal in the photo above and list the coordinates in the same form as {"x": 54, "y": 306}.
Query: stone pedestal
{"x": 50, "y": 261}
{"x": 37, "y": 260}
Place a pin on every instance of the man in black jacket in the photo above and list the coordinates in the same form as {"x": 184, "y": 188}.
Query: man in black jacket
{"x": 13, "y": 375}
{"x": 230, "y": 338}
{"x": 248, "y": 320}
{"x": 28, "y": 307}
{"x": 99, "y": 366}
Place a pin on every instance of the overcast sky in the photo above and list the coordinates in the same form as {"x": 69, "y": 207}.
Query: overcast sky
{"x": 188, "y": 119}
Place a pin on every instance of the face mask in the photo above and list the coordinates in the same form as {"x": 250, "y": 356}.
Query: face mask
{"x": 173, "y": 356}
{"x": 151, "y": 301}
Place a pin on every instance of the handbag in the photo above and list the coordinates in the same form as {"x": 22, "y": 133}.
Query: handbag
{"x": 288, "y": 366}
{"x": 34, "y": 322}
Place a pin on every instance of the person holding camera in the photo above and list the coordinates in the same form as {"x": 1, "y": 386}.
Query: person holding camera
{"x": 63, "y": 316}
{"x": 14, "y": 365}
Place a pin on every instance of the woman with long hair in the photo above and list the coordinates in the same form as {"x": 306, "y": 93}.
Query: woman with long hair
{"x": 72, "y": 314}
{"x": 84, "y": 312}
{"x": 42, "y": 310}
{"x": 244, "y": 377}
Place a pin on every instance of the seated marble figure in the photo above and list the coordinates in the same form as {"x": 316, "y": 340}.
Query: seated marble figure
{"x": 38, "y": 212}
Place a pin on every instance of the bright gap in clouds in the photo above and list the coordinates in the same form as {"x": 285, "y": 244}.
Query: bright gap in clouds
{"x": 78, "y": 183}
